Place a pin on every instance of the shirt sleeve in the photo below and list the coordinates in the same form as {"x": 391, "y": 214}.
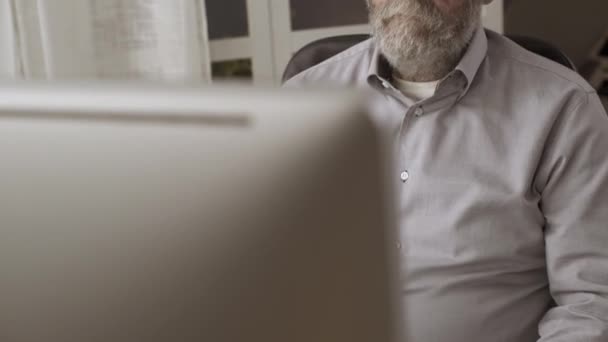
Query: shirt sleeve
{"x": 575, "y": 205}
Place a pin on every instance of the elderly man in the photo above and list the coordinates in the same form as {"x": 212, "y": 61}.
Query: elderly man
{"x": 503, "y": 176}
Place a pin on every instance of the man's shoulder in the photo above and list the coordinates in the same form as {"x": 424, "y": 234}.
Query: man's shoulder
{"x": 522, "y": 64}
{"x": 349, "y": 67}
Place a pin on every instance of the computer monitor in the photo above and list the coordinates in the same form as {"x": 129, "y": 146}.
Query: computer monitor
{"x": 163, "y": 214}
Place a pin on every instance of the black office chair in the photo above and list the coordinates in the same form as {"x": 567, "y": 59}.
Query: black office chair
{"x": 320, "y": 50}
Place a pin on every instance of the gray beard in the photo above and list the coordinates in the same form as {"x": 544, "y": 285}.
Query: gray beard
{"x": 420, "y": 41}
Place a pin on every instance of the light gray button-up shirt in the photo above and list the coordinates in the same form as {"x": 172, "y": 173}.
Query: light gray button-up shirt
{"x": 503, "y": 178}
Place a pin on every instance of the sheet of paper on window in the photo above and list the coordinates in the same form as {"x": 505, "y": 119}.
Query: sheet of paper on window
{"x": 113, "y": 39}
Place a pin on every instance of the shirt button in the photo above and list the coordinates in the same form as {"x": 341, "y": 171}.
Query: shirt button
{"x": 419, "y": 111}
{"x": 405, "y": 176}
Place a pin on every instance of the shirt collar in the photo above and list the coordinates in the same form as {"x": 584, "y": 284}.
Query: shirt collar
{"x": 380, "y": 70}
{"x": 474, "y": 56}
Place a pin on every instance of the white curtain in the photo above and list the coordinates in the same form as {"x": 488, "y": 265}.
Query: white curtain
{"x": 104, "y": 39}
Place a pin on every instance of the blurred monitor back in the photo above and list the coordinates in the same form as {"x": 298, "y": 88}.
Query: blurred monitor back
{"x": 161, "y": 214}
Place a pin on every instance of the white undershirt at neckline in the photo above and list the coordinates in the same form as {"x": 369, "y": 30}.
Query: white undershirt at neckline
{"x": 416, "y": 91}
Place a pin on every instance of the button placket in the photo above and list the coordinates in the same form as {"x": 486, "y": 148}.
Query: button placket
{"x": 404, "y": 173}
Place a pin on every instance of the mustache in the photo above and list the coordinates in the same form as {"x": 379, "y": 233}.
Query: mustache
{"x": 421, "y": 9}
{"x": 425, "y": 13}
{"x": 397, "y": 5}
